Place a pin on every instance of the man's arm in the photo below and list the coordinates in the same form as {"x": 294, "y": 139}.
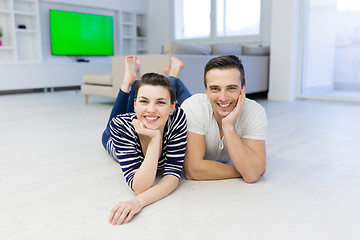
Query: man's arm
{"x": 196, "y": 168}
{"x": 247, "y": 155}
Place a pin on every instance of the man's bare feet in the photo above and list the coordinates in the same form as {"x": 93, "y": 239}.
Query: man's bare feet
{"x": 175, "y": 66}
{"x": 132, "y": 72}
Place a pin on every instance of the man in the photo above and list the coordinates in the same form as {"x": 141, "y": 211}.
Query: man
{"x": 226, "y": 131}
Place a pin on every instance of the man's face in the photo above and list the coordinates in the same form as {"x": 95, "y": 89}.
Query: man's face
{"x": 223, "y": 90}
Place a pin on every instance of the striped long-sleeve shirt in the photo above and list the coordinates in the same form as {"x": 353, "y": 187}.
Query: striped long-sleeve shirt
{"x": 124, "y": 145}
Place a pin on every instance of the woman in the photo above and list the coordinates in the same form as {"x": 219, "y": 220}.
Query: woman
{"x": 152, "y": 138}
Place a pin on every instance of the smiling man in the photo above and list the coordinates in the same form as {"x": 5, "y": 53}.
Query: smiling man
{"x": 226, "y": 131}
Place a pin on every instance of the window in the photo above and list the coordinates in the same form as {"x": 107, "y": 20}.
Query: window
{"x": 237, "y": 17}
{"x": 191, "y": 22}
{"x": 217, "y": 18}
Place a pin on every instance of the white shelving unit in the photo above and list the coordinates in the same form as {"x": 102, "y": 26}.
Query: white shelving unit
{"x": 141, "y": 34}
{"x": 19, "y": 20}
{"x": 133, "y": 34}
{"x": 26, "y": 63}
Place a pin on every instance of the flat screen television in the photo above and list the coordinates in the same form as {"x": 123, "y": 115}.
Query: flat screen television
{"x": 80, "y": 34}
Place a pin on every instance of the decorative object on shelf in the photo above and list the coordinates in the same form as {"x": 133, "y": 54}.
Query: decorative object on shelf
{"x": 138, "y": 31}
{"x": 22, "y": 26}
{"x": 1, "y": 34}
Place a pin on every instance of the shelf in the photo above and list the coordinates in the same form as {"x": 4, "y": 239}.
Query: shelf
{"x": 25, "y": 13}
{"x": 20, "y": 45}
{"x": 5, "y": 11}
{"x": 5, "y": 48}
{"x": 25, "y": 1}
{"x": 129, "y": 24}
{"x": 29, "y": 31}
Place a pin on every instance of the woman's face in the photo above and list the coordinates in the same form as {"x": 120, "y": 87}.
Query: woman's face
{"x": 153, "y": 106}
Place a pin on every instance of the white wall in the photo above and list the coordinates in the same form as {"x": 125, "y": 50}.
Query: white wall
{"x": 285, "y": 44}
{"x": 160, "y": 24}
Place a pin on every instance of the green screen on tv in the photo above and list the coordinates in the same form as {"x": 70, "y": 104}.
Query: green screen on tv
{"x": 80, "y": 34}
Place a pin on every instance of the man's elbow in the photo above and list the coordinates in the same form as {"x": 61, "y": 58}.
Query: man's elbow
{"x": 191, "y": 173}
{"x": 252, "y": 178}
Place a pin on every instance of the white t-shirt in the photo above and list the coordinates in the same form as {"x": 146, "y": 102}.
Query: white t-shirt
{"x": 200, "y": 119}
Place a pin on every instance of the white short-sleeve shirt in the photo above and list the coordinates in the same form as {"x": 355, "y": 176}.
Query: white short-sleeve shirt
{"x": 200, "y": 119}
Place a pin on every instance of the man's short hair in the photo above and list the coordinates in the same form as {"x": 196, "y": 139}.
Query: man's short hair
{"x": 225, "y": 62}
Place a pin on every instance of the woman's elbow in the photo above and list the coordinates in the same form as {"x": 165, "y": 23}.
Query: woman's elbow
{"x": 140, "y": 189}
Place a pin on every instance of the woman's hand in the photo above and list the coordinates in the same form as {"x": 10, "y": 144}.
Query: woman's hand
{"x": 123, "y": 212}
{"x": 141, "y": 129}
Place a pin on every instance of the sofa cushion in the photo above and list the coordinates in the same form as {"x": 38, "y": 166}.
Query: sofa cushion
{"x": 255, "y": 51}
{"x": 104, "y": 79}
{"x": 226, "y": 49}
{"x": 173, "y": 47}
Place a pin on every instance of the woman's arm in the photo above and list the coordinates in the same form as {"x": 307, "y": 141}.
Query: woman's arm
{"x": 144, "y": 176}
{"x": 123, "y": 212}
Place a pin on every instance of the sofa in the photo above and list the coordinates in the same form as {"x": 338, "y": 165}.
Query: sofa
{"x": 195, "y": 57}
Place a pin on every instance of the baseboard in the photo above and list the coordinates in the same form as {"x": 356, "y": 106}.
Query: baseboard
{"x": 36, "y": 90}
{"x": 346, "y": 86}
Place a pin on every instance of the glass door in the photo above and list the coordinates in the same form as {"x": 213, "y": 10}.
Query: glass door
{"x": 331, "y": 50}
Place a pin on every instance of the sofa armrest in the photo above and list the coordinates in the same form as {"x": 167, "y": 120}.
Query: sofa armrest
{"x": 117, "y": 70}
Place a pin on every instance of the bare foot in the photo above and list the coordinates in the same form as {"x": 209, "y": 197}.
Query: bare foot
{"x": 175, "y": 66}
{"x": 132, "y": 72}
{"x": 166, "y": 69}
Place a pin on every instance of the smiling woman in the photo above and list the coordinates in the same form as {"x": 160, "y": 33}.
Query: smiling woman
{"x": 151, "y": 138}
{"x": 153, "y": 106}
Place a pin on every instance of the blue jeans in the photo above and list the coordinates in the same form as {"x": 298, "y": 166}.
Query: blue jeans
{"x": 124, "y": 103}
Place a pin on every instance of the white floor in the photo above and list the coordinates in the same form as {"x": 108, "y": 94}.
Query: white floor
{"x": 57, "y": 182}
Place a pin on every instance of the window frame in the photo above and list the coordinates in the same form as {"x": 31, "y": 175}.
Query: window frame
{"x": 258, "y": 38}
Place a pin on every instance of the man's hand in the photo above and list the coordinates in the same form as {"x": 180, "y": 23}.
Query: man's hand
{"x": 230, "y": 119}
